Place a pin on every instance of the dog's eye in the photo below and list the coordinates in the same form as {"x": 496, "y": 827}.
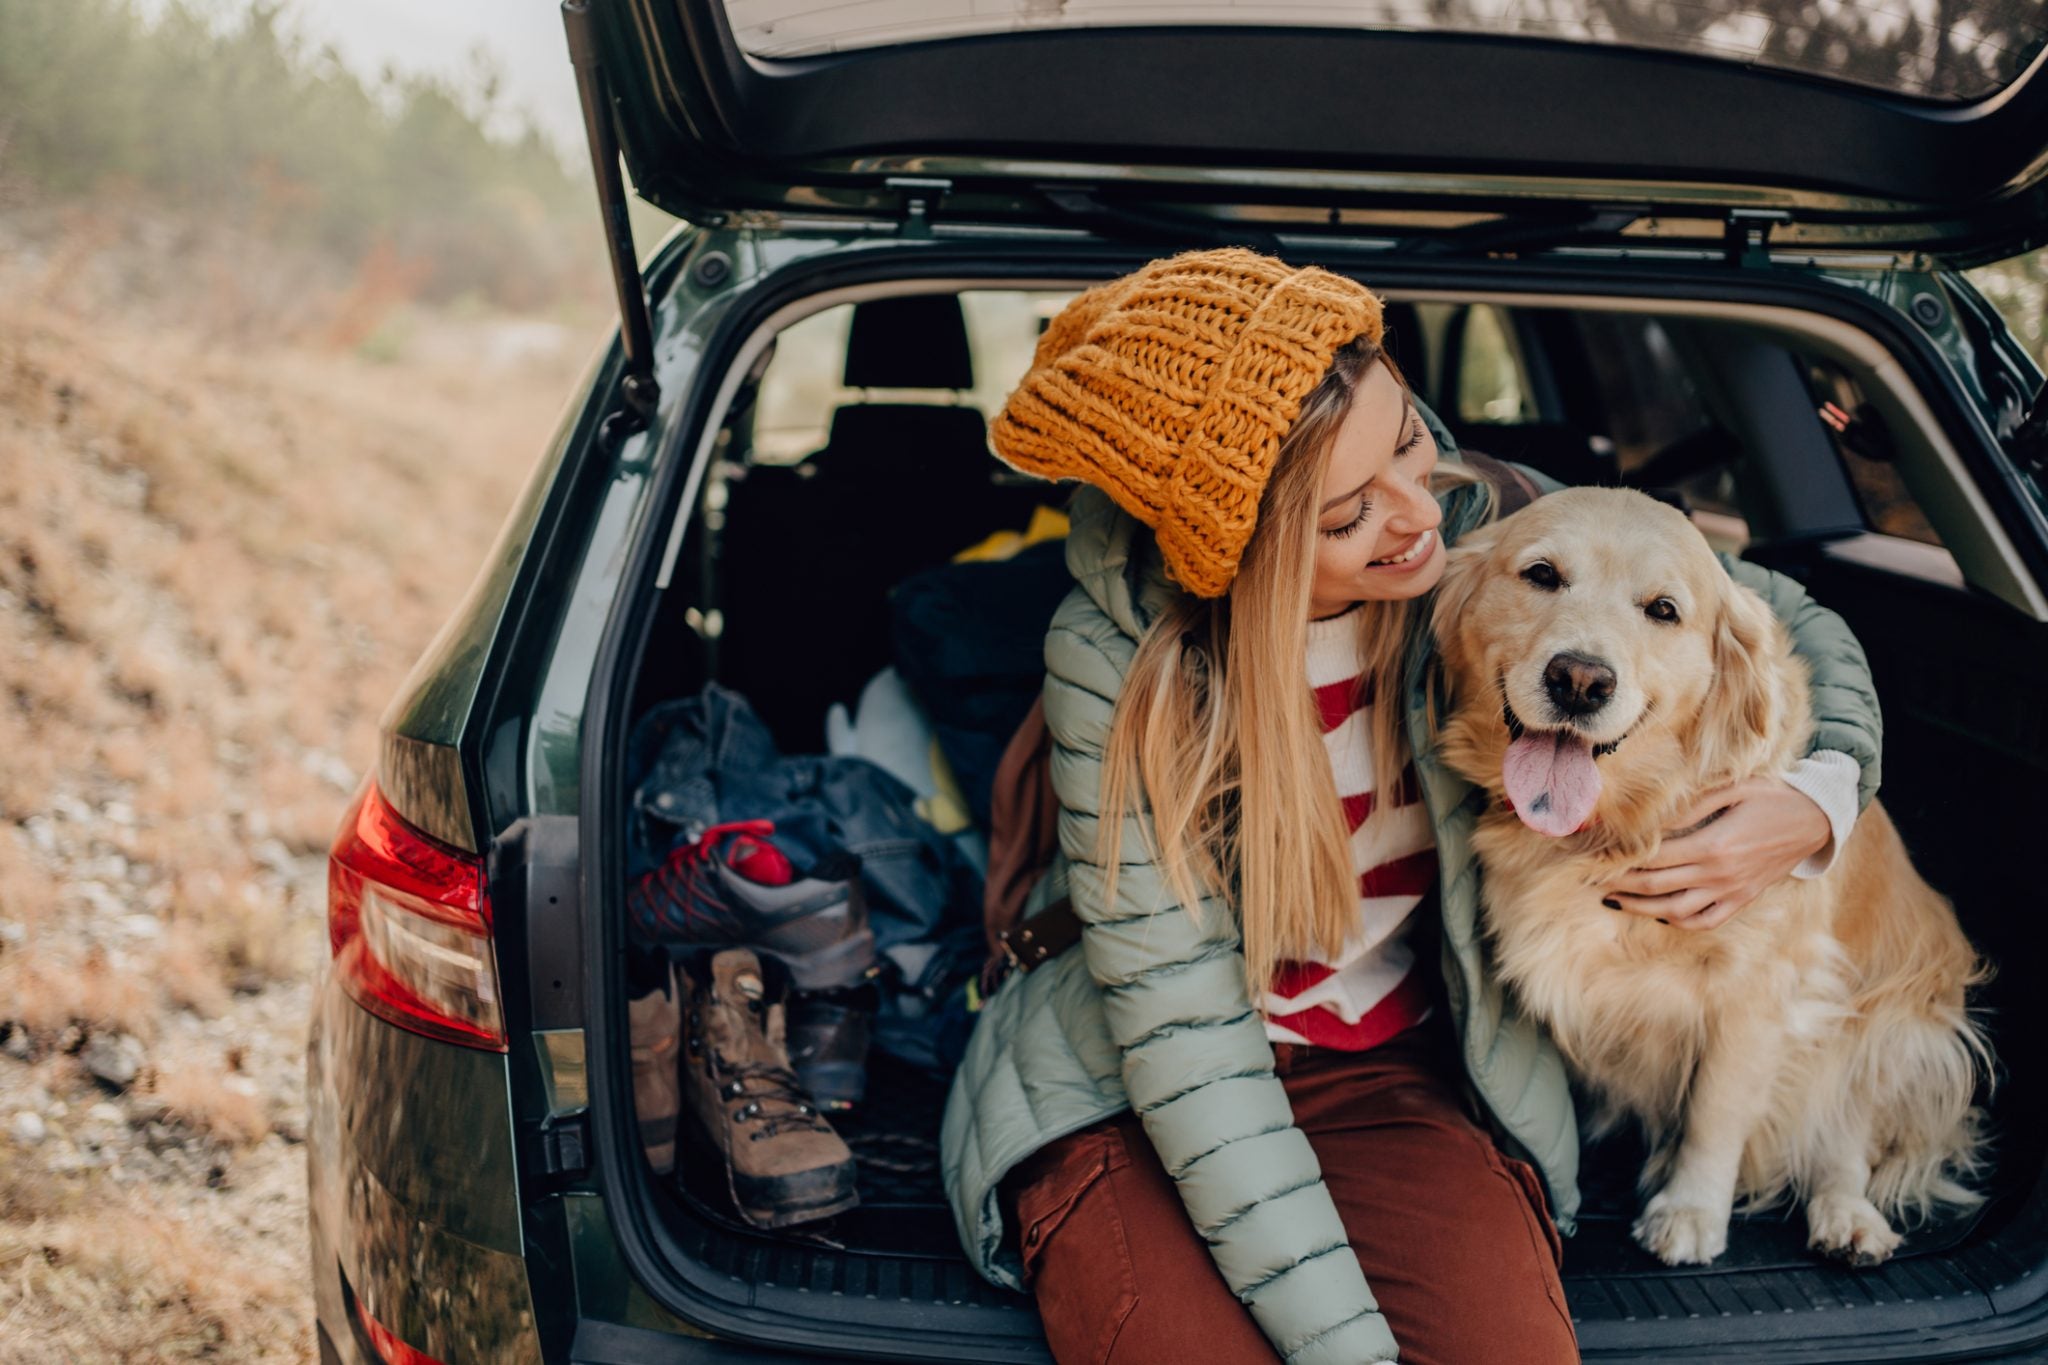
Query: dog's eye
{"x": 1544, "y": 575}
{"x": 1663, "y": 609}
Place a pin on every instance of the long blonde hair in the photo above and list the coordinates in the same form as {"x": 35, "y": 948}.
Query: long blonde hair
{"x": 1217, "y": 731}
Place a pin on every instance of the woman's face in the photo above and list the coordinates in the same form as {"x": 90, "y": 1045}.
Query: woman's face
{"x": 1376, "y": 539}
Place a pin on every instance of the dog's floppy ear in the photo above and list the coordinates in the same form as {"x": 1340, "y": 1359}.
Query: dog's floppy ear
{"x": 1464, "y": 572}
{"x": 1738, "y": 716}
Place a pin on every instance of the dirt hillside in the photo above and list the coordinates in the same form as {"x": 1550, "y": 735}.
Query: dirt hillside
{"x": 228, "y": 524}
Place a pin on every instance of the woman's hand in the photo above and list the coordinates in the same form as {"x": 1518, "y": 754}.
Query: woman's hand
{"x": 1701, "y": 879}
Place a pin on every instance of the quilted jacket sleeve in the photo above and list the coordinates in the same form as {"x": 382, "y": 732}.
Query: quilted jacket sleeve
{"x": 1846, "y": 717}
{"x": 1196, "y": 1061}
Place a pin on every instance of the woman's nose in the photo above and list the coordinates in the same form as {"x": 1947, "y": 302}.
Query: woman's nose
{"x": 1416, "y": 509}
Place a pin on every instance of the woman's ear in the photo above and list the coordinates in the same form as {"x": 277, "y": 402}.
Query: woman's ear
{"x": 1738, "y": 711}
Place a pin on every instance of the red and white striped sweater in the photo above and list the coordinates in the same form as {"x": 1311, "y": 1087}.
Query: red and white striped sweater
{"x": 1374, "y": 988}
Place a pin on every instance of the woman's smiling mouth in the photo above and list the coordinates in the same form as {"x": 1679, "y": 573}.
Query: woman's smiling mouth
{"x": 1417, "y": 551}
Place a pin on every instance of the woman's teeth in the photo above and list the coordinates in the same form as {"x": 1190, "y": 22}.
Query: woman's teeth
{"x": 1415, "y": 551}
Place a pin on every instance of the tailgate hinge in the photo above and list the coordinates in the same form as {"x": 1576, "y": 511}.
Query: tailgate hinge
{"x": 638, "y": 393}
{"x": 1748, "y": 234}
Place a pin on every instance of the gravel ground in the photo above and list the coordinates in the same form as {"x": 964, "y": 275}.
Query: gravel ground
{"x": 219, "y": 554}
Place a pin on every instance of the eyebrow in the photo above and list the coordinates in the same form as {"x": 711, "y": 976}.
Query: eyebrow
{"x": 1407, "y": 411}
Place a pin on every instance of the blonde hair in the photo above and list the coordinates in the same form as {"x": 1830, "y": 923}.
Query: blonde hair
{"x": 1217, "y": 728}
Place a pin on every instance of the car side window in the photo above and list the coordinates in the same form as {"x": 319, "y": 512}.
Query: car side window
{"x": 1663, "y": 435}
{"x": 801, "y": 387}
{"x": 1493, "y": 382}
{"x": 1864, "y": 444}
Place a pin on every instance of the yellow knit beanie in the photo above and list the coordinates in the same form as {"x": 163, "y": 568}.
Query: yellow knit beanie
{"x": 1171, "y": 389}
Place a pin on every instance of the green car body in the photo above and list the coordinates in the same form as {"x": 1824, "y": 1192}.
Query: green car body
{"x": 477, "y": 1205}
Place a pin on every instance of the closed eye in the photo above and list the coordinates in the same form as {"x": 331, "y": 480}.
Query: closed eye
{"x": 1350, "y": 527}
{"x": 1416, "y": 431}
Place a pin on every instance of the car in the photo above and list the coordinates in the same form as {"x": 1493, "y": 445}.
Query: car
{"x": 1715, "y": 249}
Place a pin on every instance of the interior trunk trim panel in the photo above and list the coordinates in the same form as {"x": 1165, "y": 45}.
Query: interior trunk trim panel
{"x": 765, "y": 1294}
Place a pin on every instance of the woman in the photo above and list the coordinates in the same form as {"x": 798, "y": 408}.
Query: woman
{"x": 1231, "y": 1126}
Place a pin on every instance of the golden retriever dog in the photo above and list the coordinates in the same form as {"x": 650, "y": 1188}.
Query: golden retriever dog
{"x": 1605, "y": 673}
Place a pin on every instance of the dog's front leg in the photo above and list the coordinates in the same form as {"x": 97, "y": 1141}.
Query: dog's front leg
{"x": 1840, "y": 1219}
{"x": 1686, "y": 1222}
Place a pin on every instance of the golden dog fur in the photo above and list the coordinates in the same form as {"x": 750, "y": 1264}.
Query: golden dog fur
{"x": 1816, "y": 1045}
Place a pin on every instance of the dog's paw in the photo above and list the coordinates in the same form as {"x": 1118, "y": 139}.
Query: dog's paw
{"x": 1851, "y": 1230}
{"x": 1681, "y": 1234}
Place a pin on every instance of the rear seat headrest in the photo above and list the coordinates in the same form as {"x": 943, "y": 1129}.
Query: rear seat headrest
{"x": 915, "y": 342}
{"x": 1402, "y": 340}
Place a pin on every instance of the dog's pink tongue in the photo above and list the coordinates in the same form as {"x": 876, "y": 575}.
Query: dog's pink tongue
{"x": 1552, "y": 780}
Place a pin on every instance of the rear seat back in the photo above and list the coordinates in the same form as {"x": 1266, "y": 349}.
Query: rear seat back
{"x": 809, "y": 553}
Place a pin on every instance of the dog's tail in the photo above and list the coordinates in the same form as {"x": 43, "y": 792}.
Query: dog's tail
{"x": 1921, "y": 1063}
{"x": 1930, "y": 1151}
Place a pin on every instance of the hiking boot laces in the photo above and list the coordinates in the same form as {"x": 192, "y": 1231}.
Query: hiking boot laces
{"x": 777, "y": 1084}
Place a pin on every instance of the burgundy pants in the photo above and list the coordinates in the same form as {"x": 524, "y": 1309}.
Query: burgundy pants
{"x": 1453, "y": 1236}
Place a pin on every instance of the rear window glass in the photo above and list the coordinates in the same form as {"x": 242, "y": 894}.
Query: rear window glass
{"x": 802, "y": 387}
{"x": 1914, "y": 47}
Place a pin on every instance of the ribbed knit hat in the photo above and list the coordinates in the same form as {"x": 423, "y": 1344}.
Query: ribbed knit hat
{"x": 1171, "y": 389}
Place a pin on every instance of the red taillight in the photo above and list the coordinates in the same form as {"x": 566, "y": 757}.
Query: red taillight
{"x": 386, "y": 1342}
{"x": 409, "y": 920}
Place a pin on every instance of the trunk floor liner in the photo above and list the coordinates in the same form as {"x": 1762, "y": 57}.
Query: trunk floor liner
{"x": 903, "y": 1207}
{"x": 1766, "y": 1302}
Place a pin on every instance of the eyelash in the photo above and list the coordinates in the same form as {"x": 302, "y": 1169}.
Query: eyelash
{"x": 1351, "y": 527}
{"x": 1365, "y": 502}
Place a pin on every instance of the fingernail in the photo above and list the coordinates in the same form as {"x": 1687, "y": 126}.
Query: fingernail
{"x": 1611, "y": 903}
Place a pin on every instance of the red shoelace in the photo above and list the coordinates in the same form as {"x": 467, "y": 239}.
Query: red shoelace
{"x": 680, "y": 901}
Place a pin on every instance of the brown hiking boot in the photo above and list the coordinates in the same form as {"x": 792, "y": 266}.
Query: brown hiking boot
{"x": 783, "y": 1162}
{"x": 654, "y": 1024}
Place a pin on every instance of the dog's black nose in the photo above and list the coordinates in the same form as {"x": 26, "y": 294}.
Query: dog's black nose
{"x": 1579, "y": 685}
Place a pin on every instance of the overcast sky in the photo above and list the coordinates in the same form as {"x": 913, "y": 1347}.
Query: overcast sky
{"x": 523, "y": 38}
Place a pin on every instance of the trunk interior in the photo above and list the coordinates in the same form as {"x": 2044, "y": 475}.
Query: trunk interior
{"x": 782, "y": 592}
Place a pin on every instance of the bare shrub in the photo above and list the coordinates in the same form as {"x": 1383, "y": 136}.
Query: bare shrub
{"x": 191, "y": 972}
{"x": 124, "y": 756}
{"x": 27, "y": 896}
{"x": 50, "y": 996}
{"x": 213, "y": 1103}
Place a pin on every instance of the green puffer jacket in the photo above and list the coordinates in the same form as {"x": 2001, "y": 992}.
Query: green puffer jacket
{"x": 1153, "y": 1011}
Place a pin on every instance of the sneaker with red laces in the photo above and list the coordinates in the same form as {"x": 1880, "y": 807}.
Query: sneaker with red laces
{"x": 731, "y": 885}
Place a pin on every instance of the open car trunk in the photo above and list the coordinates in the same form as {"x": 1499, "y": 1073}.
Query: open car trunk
{"x": 1665, "y": 382}
{"x": 1817, "y": 126}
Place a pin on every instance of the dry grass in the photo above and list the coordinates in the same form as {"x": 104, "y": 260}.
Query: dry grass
{"x": 211, "y": 1103}
{"x": 51, "y": 996}
{"x": 91, "y": 1275}
{"x": 221, "y": 549}
{"x": 214, "y": 575}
